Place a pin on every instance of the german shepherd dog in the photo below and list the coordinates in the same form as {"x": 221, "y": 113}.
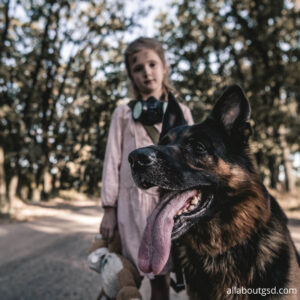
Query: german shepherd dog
{"x": 232, "y": 235}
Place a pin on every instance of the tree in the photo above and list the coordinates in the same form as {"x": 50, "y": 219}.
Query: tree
{"x": 57, "y": 60}
{"x": 253, "y": 43}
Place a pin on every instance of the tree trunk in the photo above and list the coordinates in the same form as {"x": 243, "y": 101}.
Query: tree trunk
{"x": 47, "y": 184}
{"x": 5, "y": 29}
{"x": 24, "y": 192}
{"x": 12, "y": 192}
{"x": 56, "y": 180}
{"x": 287, "y": 163}
{"x": 39, "y": 184}
{"x": 12, "y": 189}
{"x": 3, "y": 198}
{"x": 274, "y": 171}
{"x": 36, "y": 192}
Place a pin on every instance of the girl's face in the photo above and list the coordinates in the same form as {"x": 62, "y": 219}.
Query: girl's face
{"x": 147, "y": 72}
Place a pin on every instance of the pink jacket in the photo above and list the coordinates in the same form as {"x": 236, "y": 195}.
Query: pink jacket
{"x": 118, "y": 188}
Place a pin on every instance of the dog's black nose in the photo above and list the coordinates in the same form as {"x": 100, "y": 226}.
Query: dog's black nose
{"x": 143, "y": 157}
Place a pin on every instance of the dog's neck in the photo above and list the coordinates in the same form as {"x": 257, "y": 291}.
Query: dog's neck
{"x": 231, "y": 225}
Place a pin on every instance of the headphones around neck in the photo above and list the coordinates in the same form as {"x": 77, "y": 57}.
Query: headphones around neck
{"x": 149, "y": 112}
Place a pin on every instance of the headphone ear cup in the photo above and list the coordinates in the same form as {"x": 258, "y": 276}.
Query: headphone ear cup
{"x": 137, "y": 110}
{"x": 164, "y": 107}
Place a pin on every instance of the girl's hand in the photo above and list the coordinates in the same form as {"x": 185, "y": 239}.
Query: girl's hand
{"x": 109, "y": 223}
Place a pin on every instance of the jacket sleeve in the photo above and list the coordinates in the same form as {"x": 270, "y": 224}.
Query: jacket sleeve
{"x": 187, "y": 114}
{"x": 112, "y": 160}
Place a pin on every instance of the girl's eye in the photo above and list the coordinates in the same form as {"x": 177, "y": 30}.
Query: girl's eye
{"x": 152, "y": 65}
{"x": 137, "y": 69}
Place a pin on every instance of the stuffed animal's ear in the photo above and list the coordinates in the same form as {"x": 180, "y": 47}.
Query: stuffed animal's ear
{"x": 232, "y": 110}
{"x": 173, "y": 116}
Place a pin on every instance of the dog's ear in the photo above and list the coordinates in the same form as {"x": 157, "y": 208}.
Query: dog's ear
{"x": 232, "y": 110}
{"x": 173, "y": 116}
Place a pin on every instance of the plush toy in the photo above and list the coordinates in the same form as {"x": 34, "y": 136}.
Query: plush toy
{"x": 119, "y": 278}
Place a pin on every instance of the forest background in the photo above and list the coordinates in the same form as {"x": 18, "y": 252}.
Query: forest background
{"x": 62, "y": 74}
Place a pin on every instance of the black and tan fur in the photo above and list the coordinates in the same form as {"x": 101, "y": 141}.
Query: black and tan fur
{"x": 239, "y": 237}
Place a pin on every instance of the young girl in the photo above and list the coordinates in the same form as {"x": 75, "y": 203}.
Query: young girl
{"x": 125, "y": 206}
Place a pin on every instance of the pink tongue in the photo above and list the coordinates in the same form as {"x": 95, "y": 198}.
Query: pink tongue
{"x": 156, "y": 242}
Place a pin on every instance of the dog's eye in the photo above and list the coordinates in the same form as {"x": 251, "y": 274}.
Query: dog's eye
{"x": 200, "y": 148}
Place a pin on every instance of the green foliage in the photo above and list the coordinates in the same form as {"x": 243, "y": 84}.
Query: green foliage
{"x": 61, "y": 78}
{"x": 62, "y": 74}
{"x": 253, "y": 43}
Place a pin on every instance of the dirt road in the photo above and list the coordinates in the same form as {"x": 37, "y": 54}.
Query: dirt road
{"x": 45, "y": 259}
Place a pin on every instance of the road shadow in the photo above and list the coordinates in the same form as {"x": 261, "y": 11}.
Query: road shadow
{"x": 294, "y": 222}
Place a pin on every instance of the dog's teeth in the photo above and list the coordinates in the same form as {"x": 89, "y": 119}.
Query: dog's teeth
{"x": 195, "y": 200}
{"x": 191, "y": 207}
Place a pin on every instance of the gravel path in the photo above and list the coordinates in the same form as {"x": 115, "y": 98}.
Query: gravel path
{"x": 45, "y": 259}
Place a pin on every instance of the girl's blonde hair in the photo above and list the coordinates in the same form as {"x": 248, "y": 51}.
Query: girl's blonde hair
{"x": 152, "y": 44}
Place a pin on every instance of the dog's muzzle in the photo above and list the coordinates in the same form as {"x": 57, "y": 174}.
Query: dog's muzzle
{"x": 142, "y": 158}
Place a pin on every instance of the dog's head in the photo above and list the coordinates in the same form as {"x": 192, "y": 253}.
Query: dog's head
{"x": 199, "y": 169}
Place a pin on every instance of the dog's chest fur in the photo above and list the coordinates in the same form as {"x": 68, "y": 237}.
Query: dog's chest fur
{"x": 259, "y": 261}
